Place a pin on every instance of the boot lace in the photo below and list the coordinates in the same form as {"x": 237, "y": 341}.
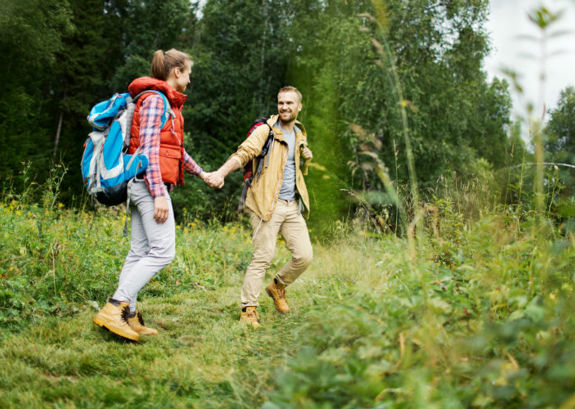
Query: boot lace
{"x": 125, "y": 313}
{"x": 281, "y": 291}
{"x": 140, "y": 319}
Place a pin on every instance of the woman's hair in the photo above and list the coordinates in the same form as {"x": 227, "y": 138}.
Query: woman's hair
{"x": 164, "y": 61}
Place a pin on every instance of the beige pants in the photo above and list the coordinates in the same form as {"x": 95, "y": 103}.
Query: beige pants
{"x": 286, "y": 220}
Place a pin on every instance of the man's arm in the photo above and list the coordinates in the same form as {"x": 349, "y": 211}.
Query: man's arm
{"x": 248, "y": 150}
{"x": 216, "y": 179}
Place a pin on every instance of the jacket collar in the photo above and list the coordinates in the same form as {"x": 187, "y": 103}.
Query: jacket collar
{"x": 175, "y": 98}
{"x": 274, "y": 119}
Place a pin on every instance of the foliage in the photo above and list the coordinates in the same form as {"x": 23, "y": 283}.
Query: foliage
{"x": 65, "y": 56}
{"x": 112, "y": 44}
{"x": 142, "y": 34}
{"x": 482, "y": 318}
{"x": 31, "y": 36}
{"x": 452, "y": 111}
{"x": 488, "y": 328}
{"x": 75, "y": 53}
{"x": 325, "y": 38}
{"x": 560, "y": 139}
{"x": 240, "y": 54}
{"x": 476, "y": 312}
{"x": 408, "y": 74}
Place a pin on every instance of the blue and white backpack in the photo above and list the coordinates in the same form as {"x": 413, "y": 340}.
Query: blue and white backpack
{"x": 106, "y": 166}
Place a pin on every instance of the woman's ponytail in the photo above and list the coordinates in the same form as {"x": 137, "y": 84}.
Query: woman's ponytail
{"x": 159, "y": 65}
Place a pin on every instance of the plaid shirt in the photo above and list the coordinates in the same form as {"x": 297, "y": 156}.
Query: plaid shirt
{"x": 150, "y": 127}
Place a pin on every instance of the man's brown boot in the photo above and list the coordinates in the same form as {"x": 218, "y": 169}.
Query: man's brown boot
{"x": 277, "y": 291}
{"x": 115, "y": 319}
{"x": 137, "y": 324}
{"x": 250, "y": 316}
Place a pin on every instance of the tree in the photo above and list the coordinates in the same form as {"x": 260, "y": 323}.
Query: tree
{"x": 560, "y": 140}
{"x": 560, "y": 131}
{"x": 240, "y": 58}
{"x": 241, "y": 63}
{"x": 112, "y": 43}
{"x": 353, "y": 57}
{"x": 31, "y": 36}
{"x": 146, "y": 27}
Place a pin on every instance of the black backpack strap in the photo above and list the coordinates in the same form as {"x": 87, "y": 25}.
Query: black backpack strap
{"x": 264, "y": 157}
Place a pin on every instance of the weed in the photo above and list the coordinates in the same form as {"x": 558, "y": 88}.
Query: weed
{"x": 481, "y": 320}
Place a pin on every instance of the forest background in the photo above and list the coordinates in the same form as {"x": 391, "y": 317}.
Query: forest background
{"x": 350, "y": 59}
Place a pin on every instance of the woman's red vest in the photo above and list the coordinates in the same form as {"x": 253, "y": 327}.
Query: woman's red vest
{"x": 171, "y": 135}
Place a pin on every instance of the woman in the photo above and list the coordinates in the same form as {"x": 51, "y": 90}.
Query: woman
{"x": 153, "y": 244}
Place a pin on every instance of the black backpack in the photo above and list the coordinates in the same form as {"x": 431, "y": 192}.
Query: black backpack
{"x": 261, "y": 160}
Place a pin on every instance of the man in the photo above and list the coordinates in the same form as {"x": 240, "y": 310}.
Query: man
{"x": 275, "y": 201}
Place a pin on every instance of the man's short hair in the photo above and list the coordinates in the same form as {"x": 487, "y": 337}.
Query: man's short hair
{"x": 289, "y": 88}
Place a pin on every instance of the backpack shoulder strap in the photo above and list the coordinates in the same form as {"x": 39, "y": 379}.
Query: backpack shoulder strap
{"x": 168, "y": 111}
{"x": 264, "y": 155}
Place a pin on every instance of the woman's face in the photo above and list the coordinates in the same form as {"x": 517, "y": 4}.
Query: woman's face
{"x": 182, "y": 77}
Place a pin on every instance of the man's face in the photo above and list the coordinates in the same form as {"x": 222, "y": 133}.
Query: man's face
{"x": 289, "y": 106}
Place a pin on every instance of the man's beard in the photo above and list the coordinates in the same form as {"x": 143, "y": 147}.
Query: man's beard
{"x": 291, "y": 118}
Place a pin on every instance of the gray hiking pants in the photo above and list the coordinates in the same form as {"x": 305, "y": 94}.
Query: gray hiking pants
{"x": 153, "y": 245}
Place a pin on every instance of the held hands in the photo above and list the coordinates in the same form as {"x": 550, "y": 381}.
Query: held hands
{"x": 213, "y": 179}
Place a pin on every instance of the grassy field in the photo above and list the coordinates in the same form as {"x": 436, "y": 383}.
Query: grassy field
{"x": 480, "y": 317}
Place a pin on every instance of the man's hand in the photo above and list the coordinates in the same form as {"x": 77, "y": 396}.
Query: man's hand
{"x": 205, "y": 176}
{"x": 306, "y": 153}
{"x": 161, "y": 209}
{"x": 211, "y": 179}
{"x": 215, "y": 179}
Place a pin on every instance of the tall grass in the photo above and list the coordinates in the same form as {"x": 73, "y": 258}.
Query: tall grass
{"x": 482, "y": 319}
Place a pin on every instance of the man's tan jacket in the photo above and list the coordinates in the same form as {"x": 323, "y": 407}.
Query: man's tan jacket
{"x": 263, "y": 195}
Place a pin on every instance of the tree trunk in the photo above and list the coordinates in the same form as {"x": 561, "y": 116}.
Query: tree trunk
{"x": 263, "y": 93}
{"x": 57, "y": 140}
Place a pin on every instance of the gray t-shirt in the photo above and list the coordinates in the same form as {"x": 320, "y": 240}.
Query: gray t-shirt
{"x": 287, "y": 192}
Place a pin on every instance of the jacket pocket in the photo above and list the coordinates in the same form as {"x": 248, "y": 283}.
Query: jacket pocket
{"x": 175, "y": 153}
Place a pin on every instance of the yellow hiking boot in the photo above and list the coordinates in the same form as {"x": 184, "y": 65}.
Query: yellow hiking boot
{"x": 115, "y": 319}
{"x": 250, "y": 316}
{"x": 277, "y": 291}
{"x": 137, "y": 324}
